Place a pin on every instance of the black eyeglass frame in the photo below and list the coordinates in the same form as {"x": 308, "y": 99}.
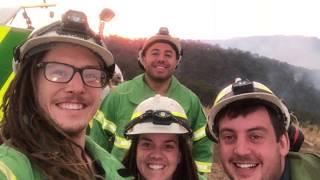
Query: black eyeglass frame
{"x": 75, "y": 70}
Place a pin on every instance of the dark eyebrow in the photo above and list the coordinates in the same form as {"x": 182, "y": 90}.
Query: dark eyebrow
{"x": 171, "y": 141}
{"x": 83, "y": 67}
{"x": 226, "y": 130}
{"x": 258, "y": 128}
{"x": 169, "y": 51}
{"x": 166, "y": 51}
{"x": 145, "y": 139}
{"x": 155, "y": 49}
{"x": 166, "y": 141}
{"x": 91, "y": 67}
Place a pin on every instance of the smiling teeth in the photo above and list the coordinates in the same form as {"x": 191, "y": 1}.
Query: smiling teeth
{"x": 71, "y": 106}
{"x": 246, "y": 165}
{"x": 155, "y": 166}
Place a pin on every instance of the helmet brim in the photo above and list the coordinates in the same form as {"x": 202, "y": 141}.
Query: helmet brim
{"x": 151, "y": 128}
{"x": 52, "y": 38}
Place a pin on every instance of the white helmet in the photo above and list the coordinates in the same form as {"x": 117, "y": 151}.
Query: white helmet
{"x": 73, "y": 29}
{"x": 158, "y": 114}
{"x": 117, "y": 76}
{"x": 241, "y": 90}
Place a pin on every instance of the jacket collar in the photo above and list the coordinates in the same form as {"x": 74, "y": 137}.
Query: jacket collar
{"x": 286, "y": 172}
{"x": 140, "y": 89}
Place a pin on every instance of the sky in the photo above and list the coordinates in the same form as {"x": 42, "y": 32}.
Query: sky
{"x": 190, "y": 19}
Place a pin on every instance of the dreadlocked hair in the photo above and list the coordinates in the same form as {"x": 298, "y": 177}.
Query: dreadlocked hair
{"x": 28, "y": 129}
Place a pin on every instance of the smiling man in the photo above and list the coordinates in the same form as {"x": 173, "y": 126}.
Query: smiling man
{"x": 159, "y": 58}
{"x": 61, "y": 70}
{"x": 250, "y": 125}
{"x": 245, "y": 143}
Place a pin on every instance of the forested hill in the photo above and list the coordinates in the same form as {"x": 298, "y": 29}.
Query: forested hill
{"x": 298, "y": 50}
{"x": 206, "y": 69}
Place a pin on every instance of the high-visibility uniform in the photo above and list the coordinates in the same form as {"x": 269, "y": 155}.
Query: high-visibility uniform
{"x": 9, "y": 38}
{"x": 14, "y": 165}
{"x": 115, "y": 112}
{"x": 302, "y": 167}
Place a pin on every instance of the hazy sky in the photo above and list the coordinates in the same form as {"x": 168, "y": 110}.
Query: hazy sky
{"x": 194, "y": 19}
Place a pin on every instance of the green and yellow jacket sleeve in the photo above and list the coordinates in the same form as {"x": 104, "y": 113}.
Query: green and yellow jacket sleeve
{"x": 16, "y": 166}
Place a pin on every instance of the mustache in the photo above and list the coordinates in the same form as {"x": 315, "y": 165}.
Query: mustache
{"x": 240, "y": 158}
{"x": 72, "y": 97}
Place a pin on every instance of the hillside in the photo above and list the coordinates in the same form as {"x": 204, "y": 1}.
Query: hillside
{"x": 297, "y": 50}
{"x": 206, "y": 69}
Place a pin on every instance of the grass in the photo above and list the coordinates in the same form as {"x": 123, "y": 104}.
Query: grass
{"x": 312, "y": 138}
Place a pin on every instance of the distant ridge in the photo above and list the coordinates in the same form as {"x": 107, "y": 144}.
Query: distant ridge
{"x": 207, "y": 68}
{"x": 296, "y": 50}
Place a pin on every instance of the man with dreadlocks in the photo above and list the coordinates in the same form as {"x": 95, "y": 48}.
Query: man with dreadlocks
{"x": 61, "y": 70}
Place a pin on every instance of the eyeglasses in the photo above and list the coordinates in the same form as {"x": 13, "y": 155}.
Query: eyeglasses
{"x": 160, "y": 118}
{"x": 63, "y": 73}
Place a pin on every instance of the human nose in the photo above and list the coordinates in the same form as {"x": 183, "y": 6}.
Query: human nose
{"x": 241, "y": 147}
{"x": 156, "y": 153}
{"x": 161, "y": 57}
{"x": 76, "y": 84}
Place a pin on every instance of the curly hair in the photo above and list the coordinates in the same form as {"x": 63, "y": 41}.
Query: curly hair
{"x": 28, "y": 129}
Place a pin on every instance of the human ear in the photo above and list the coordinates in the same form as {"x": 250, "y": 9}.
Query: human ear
{"x": 284, "y": 144}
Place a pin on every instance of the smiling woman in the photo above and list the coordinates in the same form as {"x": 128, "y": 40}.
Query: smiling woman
{"x": 160, "y": 137}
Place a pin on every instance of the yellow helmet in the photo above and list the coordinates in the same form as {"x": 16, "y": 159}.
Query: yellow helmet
{"x": 158, "y": 114}
{"x": 241, "y": 90}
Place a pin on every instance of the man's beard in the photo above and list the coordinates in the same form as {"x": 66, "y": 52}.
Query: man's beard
{"x": 158, "y": 79}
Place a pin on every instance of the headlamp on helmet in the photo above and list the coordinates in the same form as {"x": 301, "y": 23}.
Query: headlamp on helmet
{"x": 160, "y": 119}
{"x": 158, "y": 114}
{"x": 163, "y": 31}
{"x": 240, "y": 86}
{"x": 74, "y": 21}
